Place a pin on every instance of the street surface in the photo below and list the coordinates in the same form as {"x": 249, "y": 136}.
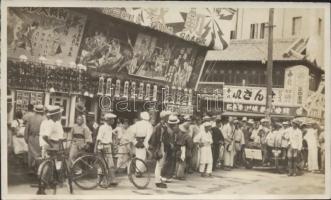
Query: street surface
{"x": 237, "y": 181}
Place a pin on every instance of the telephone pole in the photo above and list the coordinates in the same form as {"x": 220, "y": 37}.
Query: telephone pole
{"x": 269, "y": 64}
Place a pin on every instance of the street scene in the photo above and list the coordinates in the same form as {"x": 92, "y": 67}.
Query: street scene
{"x": 182, "y": 100}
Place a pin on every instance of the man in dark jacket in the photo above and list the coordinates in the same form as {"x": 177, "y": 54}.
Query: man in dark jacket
{"x": 157, "y": 145}
{"x": 218, "y": 139}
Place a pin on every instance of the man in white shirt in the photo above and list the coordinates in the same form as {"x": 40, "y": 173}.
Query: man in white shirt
{"x": 295, "y": 145}
{"x": 51, "y": 130}
{"x": 105, "y": 142}
{"x": 141, "y": 131}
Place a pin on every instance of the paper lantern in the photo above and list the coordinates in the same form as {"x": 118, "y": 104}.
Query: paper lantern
{"x": 109, "y": 87}
{"x": 126, "y": 89}
{"x": 141, "y": 91}
{"x": 155, "y": 93}
{"x": 118, "y": 88}
{"x": 133, "y": 90}
{"x": 148, "y": 91}
{"x": 101, "y": 86}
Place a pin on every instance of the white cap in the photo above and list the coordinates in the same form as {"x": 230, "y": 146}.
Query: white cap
{"x": 144, "y": 116}
{"x": 110, "y": 116}
{"x": 206, "y": 124}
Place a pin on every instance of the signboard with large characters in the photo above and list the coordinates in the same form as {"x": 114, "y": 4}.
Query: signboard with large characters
{"x": 205, "y": 26}
{"x": 53, "y": 33}
{"x": 257, "y": 95}
{"x": 111, "y": 47}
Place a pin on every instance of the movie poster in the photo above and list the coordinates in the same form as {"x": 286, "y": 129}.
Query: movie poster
{"x": 54, "y": 33}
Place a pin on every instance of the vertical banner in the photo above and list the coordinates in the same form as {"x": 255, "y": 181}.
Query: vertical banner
{"x": 155, "y": 93}
{"x": 126, "y": 89}
{"x": 133, "y": 90}
{"x": 141, "y": 91}
{"x": 54, "y": 33}
{"x": 118, "y": 88}
{"x": 148, "y": 92}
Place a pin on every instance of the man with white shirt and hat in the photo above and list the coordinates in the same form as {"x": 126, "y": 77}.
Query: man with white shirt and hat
{"x": 205, "y": 141}
{"x": 141, "y": 132}
{"x": 104, "y": 142}
{"x": 295, "y": 145}
{"x": 51, "y": 131}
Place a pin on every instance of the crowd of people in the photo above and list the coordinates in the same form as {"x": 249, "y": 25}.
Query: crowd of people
{"x": 179, "y": 144}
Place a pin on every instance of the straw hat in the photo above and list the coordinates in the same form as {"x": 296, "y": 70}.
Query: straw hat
{"x": 38, "y": 108}
{"x": 109, "y": 116}
{"x": 183, "y": 128}
{"x": 53, "y": 110}
{"x": 251, "y": 121}
{"x": 173, "y": 119}
{"x": 164, "y": 113}
{"x": 207, "y": 124}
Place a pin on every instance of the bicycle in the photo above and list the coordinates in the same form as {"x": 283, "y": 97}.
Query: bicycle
{"x": 53, "y": 170}
{"x": 93, "y": 170}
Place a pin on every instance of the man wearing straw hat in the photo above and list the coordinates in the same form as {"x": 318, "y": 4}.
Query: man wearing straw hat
{"x": 295, "y": 145}
{"x": 105, "y": 142}
{"x": 51, "y": 130}
{"x": 156, "y": 146}
{"x": 31, "y": 135}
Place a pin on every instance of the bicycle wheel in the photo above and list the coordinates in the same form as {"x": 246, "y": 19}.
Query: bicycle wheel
{"x": 46, "y": 178}
{"x": 68, "y": 174}
{"x": 138, "y": 173}
{"x": 87, "y": 171}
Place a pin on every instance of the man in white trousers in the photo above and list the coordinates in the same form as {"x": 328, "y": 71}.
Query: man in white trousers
{"x": 141, "y": 131}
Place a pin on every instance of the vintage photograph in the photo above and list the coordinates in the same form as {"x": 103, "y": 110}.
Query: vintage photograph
{"x": 169, "y": 99}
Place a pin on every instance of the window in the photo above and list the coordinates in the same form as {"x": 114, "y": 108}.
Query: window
{"x": 262, "y": 30}
{"x": 319, "y": 26}
{"x": 254, "y": 31}
{"x": 296, "y": 25}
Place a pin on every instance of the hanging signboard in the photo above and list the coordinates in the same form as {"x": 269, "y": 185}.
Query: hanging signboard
{"x": 261, "y": 109}
{"x": 257, "y": 95}
{"x": 24, "y": 98}
{"x": 53, "y": 33}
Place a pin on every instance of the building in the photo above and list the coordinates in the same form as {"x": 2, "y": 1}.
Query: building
{"x": 82, "y": 54}
{"x": 251, "y": 23}
{"x": 240, "y": 70}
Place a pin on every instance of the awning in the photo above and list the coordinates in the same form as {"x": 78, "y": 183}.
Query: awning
{"x": 243, "y": 114}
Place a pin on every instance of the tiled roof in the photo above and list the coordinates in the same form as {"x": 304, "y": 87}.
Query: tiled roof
{"x": 256, "y": 50}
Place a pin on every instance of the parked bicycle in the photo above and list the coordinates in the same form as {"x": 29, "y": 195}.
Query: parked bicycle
{"x": 92, "y": 170}
{"x": 54, "y": 170}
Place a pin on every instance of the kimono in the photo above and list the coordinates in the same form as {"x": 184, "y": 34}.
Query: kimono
{"x": 229, "y": 153}
{"x": 311, "y": 138}
{"x": 205, "y": 140}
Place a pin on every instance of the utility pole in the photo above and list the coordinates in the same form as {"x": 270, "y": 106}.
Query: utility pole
{"x": 269, "y": 64}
